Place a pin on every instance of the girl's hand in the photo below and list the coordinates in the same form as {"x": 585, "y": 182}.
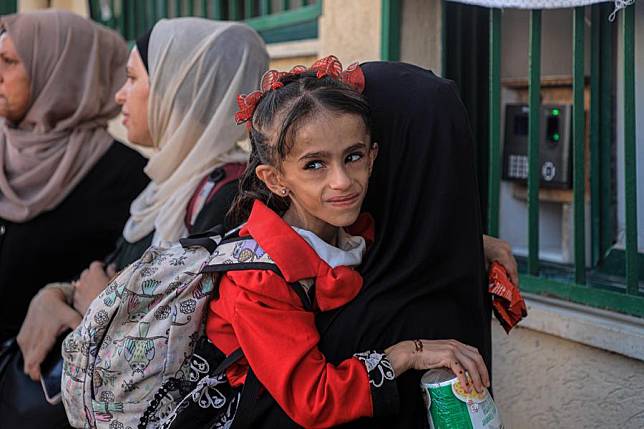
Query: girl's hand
{"x": 91, "y": 283}
{"x": 427, "y": 354}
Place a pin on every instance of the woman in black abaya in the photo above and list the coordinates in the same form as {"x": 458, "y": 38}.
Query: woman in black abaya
{"x": 425, "y": 274}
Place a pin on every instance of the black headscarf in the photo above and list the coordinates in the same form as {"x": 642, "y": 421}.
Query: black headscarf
{"x": 142, "y": 46}
{"x": 425, "y": 275}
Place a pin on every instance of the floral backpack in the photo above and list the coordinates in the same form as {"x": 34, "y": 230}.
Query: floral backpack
{"x": 131, "y": 362}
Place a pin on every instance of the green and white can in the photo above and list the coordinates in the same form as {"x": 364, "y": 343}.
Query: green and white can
{"x": 449, "y": 406}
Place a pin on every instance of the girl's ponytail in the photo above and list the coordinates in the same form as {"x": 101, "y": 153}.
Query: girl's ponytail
{"x": 251, "y": 188}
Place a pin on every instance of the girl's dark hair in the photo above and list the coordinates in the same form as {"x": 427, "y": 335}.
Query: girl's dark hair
{"x": 302, "y": 96}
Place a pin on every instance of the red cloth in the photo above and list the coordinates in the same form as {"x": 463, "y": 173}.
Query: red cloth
{"x": 258, "y": 311}
{"x": 507, "y": 302}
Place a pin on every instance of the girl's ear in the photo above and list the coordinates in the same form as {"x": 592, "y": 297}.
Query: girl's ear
{"x": 373, "y": 154}
{"x": 271, "y": 178}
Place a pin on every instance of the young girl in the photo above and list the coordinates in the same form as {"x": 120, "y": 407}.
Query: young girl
{"x": 300, "y": 198}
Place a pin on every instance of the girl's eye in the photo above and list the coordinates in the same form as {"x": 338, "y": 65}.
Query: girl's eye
{"x": 313, "y": 165}
{"x": 356, "y": 156}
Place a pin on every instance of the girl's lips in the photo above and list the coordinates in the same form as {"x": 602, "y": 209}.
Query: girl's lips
{"x": 344, "y": 201}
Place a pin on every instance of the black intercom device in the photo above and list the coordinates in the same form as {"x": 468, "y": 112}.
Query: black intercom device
{"x": 555, "y": 144}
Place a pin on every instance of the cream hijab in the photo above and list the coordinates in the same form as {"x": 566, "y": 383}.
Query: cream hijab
{"x": 197, "y": 68}
{"x": 75, "y": 68}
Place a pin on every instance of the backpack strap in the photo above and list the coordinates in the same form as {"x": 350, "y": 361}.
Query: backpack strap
{"x": 209, "y": 239}
{"x": 208, "y": 187}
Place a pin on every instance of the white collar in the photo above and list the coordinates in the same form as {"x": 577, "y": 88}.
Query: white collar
{"x": 350, "y": 250}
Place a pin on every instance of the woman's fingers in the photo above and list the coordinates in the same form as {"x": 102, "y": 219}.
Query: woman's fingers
{"x": 472, "y": 370}
{"x": 480, "y": 364}
{"x": 459, "y": 371}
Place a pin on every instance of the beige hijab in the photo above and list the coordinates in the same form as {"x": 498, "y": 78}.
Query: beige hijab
{"x": 75, "y": 68}
{"x": 197, "y": 68}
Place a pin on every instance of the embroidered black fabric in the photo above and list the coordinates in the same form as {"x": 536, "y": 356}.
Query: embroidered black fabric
{"x": 382, "y": 382}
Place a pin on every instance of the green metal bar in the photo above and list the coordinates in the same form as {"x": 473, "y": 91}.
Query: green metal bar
{"x": 191, "y": 8}
{"x": 129, "y": 20}
{"x": 595, "y": 297}
{"x": 390, "y": 32}
{"x": 286, "y": 5}
{"x": 579, "y": 140}
{"x": 495, "y": 123}
{"x": 163, "y": 9}
{"x": 265, "y": 7}
{"x": 248, "y": 9}
{"x": 595, "y": 169}
{"x": 204, "y": 8}
{"x": 606, "y": 130}
{"x": 177, "y": 8}
{"x": 534, "y": 134}
{"x": 233, "y": 10}
{"x": 630, "y": 152}
{"x": 218, "y": 10}
{"x": 291, "y": 17}
{"x": 120, "y": 18}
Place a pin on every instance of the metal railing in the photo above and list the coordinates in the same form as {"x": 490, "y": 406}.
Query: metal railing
{"x": 583, "y": 285}
{"x": 276, "y": 21}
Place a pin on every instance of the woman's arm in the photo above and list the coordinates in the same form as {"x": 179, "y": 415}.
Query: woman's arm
{"x": 280, "y": 345}
{"x": 280, "y": 342}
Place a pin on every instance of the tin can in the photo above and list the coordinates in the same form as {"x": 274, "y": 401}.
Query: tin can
{"x": 449, "y": 406}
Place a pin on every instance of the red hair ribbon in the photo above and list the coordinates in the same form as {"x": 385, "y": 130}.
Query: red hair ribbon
{"x": 507, "y": 303}
{"x": 329, "y": 66}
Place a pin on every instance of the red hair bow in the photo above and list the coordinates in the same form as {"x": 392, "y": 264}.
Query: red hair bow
{"x": 272, "y": 80}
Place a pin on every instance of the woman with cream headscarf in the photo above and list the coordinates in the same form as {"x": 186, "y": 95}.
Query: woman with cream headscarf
{"x": 65, "y": 185}
{"x": 179, "y": 99}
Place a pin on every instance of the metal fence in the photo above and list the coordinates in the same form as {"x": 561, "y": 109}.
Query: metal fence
{"x": 586, "y": 282}
{"x": 276, "y": 21}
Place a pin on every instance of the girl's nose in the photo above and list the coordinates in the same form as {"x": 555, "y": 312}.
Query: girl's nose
{"x": 340, "y": 179}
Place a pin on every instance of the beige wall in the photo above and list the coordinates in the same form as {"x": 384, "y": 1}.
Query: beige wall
{"x": 81, "y": 7}
{"x": 420, "y": 33}
{"x": 542, "y": 381}
{"x": 350, "y": 30}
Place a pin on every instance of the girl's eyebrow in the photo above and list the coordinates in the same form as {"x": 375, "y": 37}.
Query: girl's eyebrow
{"x": 359, "y": 145}
{"x": 321, "y": 154}
{"x": 325, "y": 154}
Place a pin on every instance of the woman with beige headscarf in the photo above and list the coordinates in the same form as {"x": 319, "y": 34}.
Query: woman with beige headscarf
{"x": 179, "y": 99}
{"x": 65, "y": 185}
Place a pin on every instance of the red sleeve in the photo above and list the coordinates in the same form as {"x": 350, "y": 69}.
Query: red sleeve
{"x": 279, "y": 340}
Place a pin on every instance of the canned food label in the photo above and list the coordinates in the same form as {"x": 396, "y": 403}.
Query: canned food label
{"x": 451, "y": 407}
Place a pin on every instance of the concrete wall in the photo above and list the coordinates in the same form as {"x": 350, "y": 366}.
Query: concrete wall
{"x": 420, "y": 35}
{"x": 543, "y": 381}
{"x": 80, "y": 7}
{"x": 350, "y": 30}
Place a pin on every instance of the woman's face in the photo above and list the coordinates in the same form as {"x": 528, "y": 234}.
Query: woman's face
{"x": 133, "y": 98}
{"x": 15, "y": 87}
{"x": 326, "y": 173}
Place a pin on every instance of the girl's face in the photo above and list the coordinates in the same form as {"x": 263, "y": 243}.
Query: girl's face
{"x": 15, "y": 86}
{"x": 133, "y": 98}
{"x": 326, "y": 173}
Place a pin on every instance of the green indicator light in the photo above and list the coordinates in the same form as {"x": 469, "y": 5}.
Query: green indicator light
{"x": 555, "y": 137}
{"x": 555, "y": 112}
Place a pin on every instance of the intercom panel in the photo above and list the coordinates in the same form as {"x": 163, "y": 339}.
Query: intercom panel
{"x": 555, "y": 144}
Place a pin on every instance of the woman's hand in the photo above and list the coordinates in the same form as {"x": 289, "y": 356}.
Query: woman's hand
{"x": 427, "y": 354}
{"x": 48, "y": 317}
{"x": 501, "y": 251}
{"x": 92, "y": 282}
